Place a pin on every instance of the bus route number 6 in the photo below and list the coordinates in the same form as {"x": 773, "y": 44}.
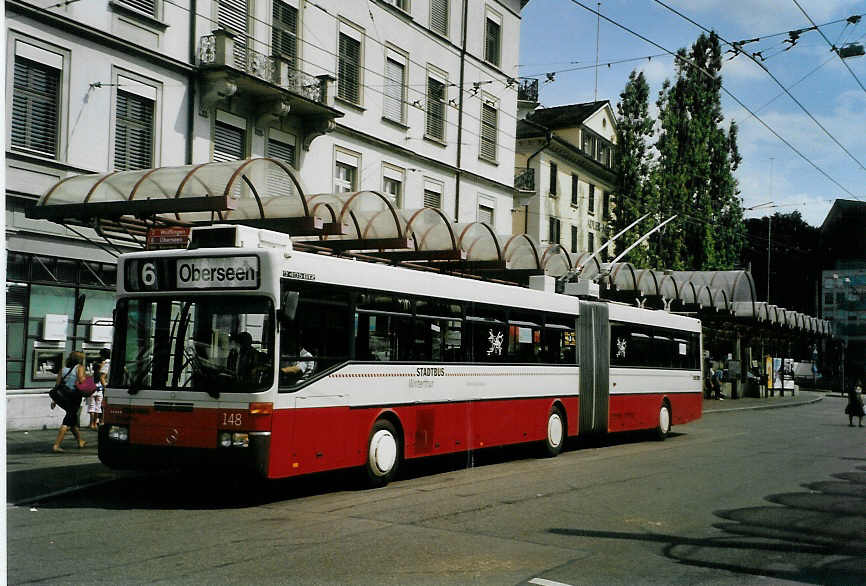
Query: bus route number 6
{"x": 232, "y": 419}
{"x": 148, "y": 275}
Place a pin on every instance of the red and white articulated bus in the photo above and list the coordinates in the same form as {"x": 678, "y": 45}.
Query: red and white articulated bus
{"x": 242, "y": 350}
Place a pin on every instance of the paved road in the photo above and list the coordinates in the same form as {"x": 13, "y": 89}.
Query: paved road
{"x": 738, "y": 497}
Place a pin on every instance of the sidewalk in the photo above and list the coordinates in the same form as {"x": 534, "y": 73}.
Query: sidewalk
{"x": 802, "y": 397}
{"x": 34, "y": 472}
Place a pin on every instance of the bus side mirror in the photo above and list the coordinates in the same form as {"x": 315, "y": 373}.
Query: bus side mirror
{"x": 288, "y": 305}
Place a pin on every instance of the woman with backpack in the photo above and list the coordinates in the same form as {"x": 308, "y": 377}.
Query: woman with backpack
{"x": 67, "y": 378}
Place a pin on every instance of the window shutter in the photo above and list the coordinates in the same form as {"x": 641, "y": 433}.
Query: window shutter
{"x": 35, "y": 101}
{"x": 485, "y": 214}
{"x": 435, "y": 109}
{"x": 281, "y": 150}
{"x": 232, "y": 16}
{"x": 349, "y": 69}
{"x": 393, "y": 90}
{"x": 574, "y": 190}
{"x": 228, "y": 142}
{"x": 432, "y": 199}
{"x": 439, "y": 16}
{"x": 574, "y": 239}
{"x": 133, "y": 141}
{"x": 16, "y": 301}
{"x": 489, "y": 121}
{"x": 148, "y": 7}
{"x": 285, "y": 32}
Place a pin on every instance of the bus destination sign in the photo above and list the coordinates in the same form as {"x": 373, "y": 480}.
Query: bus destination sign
{"x": 211, "y": 272}
{"x": 234, "y": 272}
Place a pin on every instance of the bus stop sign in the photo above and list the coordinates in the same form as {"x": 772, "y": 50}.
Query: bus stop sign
{"x": 165, "y": 238}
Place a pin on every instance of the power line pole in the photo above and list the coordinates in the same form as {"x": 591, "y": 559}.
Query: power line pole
{"x": 597, "y": 29}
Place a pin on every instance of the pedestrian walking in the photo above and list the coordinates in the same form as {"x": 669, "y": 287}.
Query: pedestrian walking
{"x": 854, "y": 408}
{"x": 70, "y": 396}
{"x": 100, "y": 377}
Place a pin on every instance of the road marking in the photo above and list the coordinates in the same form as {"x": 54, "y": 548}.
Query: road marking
{"x": 543, "y": 582}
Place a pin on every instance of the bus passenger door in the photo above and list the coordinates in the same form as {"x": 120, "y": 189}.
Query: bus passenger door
{"x": 593, "y": 339}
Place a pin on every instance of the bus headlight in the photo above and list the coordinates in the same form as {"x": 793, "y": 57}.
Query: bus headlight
{"x": 118, "y": 433}
{"x": 237, "y": 439}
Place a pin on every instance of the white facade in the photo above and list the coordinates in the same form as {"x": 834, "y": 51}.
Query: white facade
{"x": 570, "y": 162}
{"x": 347, "y": 89}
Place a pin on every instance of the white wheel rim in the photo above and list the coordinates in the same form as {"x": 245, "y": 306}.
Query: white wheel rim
{"x": 664, "y": 420}
{"x": 554, "y": 430}
{"x": 383, "y": 452}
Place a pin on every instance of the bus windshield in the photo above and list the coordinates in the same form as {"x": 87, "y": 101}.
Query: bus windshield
{"x": 207, "y": 343}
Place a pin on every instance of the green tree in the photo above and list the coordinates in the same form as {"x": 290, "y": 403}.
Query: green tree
{"x": 794, "y": 260}
{"x": 694, "y": 174}
{"x": 634, "y": 192}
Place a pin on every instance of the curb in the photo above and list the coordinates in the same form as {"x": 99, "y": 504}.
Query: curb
{"x": 756, "y": 407}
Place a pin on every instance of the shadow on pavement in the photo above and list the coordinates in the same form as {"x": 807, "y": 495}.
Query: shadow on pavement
{"x": 815, "y": 537}
{"x": 205, "y": 489}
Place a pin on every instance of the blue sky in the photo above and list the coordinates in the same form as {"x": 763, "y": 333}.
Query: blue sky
{"x": 557, "y": 35}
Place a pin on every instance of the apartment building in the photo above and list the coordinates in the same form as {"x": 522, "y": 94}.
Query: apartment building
{"x": 414, "y": 98}
{"x": 564, "y": 175}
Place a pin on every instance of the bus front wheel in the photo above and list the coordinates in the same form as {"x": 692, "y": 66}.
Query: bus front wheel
{"x": 664, "y": 426}
{"x": 554, "y": 438}
{"x": 383, "y": 454}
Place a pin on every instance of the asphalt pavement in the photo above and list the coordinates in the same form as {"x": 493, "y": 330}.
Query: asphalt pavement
{"x": 34, "y": 472}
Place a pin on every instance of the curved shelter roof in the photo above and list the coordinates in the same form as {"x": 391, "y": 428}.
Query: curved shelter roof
{"x": 268, "y": 193}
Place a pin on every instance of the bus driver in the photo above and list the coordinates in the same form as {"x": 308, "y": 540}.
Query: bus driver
{"x": 299, "y": 369}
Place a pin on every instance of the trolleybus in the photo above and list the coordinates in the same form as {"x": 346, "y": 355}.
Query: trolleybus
{"x": 241, "y": 350}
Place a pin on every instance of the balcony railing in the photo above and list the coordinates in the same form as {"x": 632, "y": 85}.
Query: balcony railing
{"x": 527, "y": 90}
{"x": 221, "y": 50}
{"x": 524, "y": 179}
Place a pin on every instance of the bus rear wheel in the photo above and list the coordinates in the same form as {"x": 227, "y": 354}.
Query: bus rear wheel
{"x": 554, "y": 438}
{"x": 664, "y": 426}
{"x": 384, "y": 453}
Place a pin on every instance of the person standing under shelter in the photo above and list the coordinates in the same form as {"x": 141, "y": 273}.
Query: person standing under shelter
{"x": 73, "y": 373}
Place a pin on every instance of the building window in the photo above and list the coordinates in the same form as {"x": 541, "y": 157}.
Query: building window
{"x": 588, "y": 144}
{"x": 573, "y": 189}
{"x": 392, "y": 184}
{"x": 346, "y": 167}
{"x": 349, "y": 69}
{"x": 591, "y": 200}
{"x": 492, "y": 42}
{"x": 133, "y": 140}
{"x": 35, "y": 104}
{"x": 395, "y": 90}
{"x": 485, "y": 214}
{"x": 401, "y": 4}
{"x": 553, "y": 230}
{"x": 439, "y": 16}
{"x": 393, "y": 190}
{"x": 605, "y": 205}
{"x": 552, "y": 179}
{"x": 281, "y": 146}
{"x": 590, "y": 242}
{"x": 147, "y": 7}
{"x": 432, "y": 194}
{"x": 574, "y": 239}
{"x": 435, "y": 127}
{"x": 489, "y": 124}
{"x": 232, "y": 15}
{"x": 284, "y": 33}
{"x": 828, "y": 299}
{"x": 229, "y": 141}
